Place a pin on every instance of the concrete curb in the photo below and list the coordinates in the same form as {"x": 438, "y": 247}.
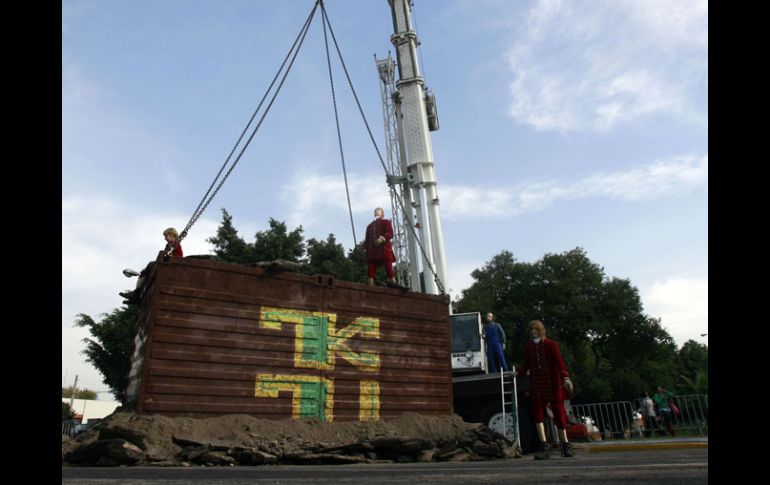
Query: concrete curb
{"x": 645, "y": 446}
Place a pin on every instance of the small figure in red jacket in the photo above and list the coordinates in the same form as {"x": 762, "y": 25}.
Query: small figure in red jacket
{"x": 170, "y": 235}
{"x": 548, "y": 381}
{"x": 379, "y": 252}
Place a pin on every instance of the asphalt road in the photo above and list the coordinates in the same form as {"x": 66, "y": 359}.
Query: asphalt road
{"x": 673, "y": 466}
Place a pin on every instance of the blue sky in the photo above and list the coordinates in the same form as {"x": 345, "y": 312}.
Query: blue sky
{"x": 563, "y": 124}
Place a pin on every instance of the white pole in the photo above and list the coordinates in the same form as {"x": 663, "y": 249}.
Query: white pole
{"x": 74, "y": 389}
{"x": 516, "y": 403}
{"x": 502, "y": 398}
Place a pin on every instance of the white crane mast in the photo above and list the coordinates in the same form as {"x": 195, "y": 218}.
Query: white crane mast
{"x": 414, "y": 110}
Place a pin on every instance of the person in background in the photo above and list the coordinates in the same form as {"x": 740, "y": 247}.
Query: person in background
{"x": 495, "y": 336}
{"x": 662, "y": 398}
{"x": 647, "y": 410}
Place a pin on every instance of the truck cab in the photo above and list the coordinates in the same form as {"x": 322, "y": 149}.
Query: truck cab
{"x": 468, "y": 349}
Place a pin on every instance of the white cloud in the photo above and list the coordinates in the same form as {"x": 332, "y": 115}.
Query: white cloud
{"x": 459, "y": 276}
{"x": 682, "y": 22}
{"x": 599, "y": 63}
{"x": 318, "y": 202}
{"x": 77, "y": 90}
{"x": 682, "y": 304}
{"x": 662, "y": 178}
{"x": 659, "y": 179}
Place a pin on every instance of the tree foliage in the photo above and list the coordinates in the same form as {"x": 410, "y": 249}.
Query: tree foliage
{"x": 66, "y": 412}
{"x": 109, "y": 348}
{"x": 228, "y": 245}
{"x": 277, "y": 242}
{"x": 694, "y": 367}
{"x": 328, "y": 257}
{"x": 612, "y": 348}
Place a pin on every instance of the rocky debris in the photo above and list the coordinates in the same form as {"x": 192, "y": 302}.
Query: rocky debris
{"x": 125, "y": 438}
{"x": 250, "y": 456}
{"x": 67, "y": 444}
{"x": 280, "y": 265}
{"x": 108, "y": 452}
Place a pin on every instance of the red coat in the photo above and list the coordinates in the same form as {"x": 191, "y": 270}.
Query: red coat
{"x": 546, "y": 370}
{"x": 379, "y": 253}
{"x": 177, "y": 252}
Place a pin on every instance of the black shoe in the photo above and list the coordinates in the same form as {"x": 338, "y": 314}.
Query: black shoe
{"x": 130, "y": 296}
{"x": 542, "y": 453}
{"x": 566, "y": 450}
{"x": 391, "y": 284}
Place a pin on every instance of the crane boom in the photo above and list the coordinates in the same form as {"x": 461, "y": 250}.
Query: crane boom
{"x": 414, "y": 109}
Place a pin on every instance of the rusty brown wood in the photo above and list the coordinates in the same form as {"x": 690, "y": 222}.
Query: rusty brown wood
{"x": 212, "y": 346}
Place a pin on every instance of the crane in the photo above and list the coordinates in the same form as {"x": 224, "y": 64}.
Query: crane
{"x": 410, "y": 114}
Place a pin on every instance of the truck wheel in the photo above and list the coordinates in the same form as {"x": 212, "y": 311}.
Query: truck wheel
{"x": 505, "y": 428}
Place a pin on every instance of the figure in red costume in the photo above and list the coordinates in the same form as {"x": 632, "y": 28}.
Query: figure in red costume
{"x": 170, "y": 235}
{"x": 379, "y": 252}
{"x": 549, "y": 381}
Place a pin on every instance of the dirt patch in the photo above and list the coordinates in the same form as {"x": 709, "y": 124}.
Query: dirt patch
{"x": 126, "y": 438}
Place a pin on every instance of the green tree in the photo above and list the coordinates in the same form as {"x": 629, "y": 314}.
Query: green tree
{"x": 66, "y": 412}
{"x": 278, "y": 243}
{"x": 109, "y": 349}
{"x": 228, "y": 245}
{"x": 693, "y": 367}
{"x": 328, "y": 257}
{"x": 357, "y": 257}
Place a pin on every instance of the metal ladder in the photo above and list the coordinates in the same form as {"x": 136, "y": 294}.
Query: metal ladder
{"x": 509, "y": 404}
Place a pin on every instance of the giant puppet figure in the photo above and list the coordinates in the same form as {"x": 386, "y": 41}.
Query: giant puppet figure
{"x": 379, "y": 252}
{"x": 548, "y": 382}
{"x": 134, "y": 296}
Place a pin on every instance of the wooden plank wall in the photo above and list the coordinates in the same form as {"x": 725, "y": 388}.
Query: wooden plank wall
{"x": 225, "y": 339}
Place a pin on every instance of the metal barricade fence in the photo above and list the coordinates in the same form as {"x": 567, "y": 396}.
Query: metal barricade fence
{"x": 68, "y": 429}
{"x": 692, "y": 417}
{"x": 614, "y": 419}
{"x": 624, "y": 419}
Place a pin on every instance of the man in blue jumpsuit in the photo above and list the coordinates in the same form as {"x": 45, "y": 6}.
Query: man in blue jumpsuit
{"x": 495, "y": 337}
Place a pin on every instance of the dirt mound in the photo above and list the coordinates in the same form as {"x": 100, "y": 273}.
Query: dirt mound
{"x": 126, "y": 438}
